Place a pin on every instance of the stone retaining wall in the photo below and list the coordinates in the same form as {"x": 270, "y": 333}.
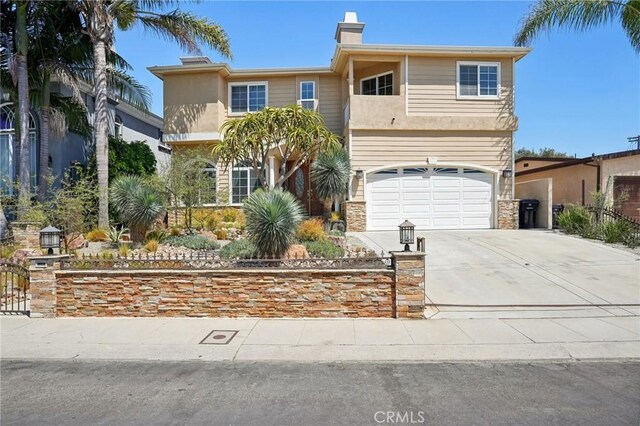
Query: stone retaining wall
{"x": 260, "y": 293}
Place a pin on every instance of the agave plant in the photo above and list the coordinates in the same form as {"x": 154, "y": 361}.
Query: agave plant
{"x": 272, "y": 217}
{"x": 136, "y": 204}
{"x": 330, "y": 173}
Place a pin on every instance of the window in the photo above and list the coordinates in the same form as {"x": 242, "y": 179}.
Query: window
{"x": 247, "y": 97}
{"x": 308, "y": 95}
{"x": 208, "y": 188}
{"x": 7, "y": 136}
{"x": 117, "y": 126}
{"x": 243, "y": 182}
{"x": 377, "y": 85}
{"x": 478, "y": 79}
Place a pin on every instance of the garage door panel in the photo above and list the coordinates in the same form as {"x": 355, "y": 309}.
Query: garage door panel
{"x": 451, "y": 200}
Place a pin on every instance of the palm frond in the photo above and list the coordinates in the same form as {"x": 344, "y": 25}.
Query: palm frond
{"x": 578, "y": 15}
{"x": 330, "y": 173}
{"x": 630, "y": 21}
{"x": 76, "y": 119}
{"x": 128, "y": 89}
{"x": 187, "y": 30}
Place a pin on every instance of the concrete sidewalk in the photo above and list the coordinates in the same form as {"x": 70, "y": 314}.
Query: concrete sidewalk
{"x": 311, "y": 340}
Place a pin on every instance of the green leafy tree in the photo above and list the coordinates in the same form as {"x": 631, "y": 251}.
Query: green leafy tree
{"x": 137, "y": 204}
{"x": 330, "y": 172}
{"x": 272, "y": 217}
{"x": 295, "y": 133}
{"x": 542, "y": 153}
{"x": 101, "y": 18}
{"x": 581, "y": 15}
{"x": 187, "y": 183}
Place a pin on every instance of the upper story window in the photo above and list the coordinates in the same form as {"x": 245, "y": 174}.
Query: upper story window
{"x": 247, "y": 97}
{"x": 117, "y": 127}
{"x": 478, "y": 79}
{"x": 381, "y": 84}
{"x": 308, "y": 94}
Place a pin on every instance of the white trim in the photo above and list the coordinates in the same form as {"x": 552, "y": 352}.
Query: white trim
{"x": 393, "y": 82}
{"x": 272, "y": 171}
{"x": 513, "y": 133}
{"x": 248, "y": 84}
{"x": 438, "y": 164}
{"x": 188, "y": 137}
{"x": 315, "y": 94}
{"x": 478, "y": 96}
{"x": 350, "y": 140}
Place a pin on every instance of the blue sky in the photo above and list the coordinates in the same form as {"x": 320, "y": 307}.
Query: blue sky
{"x": 576, "y": 92}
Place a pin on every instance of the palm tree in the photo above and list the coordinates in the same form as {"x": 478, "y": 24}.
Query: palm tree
{"x": 295, "y": 133}
{"x": 581, "y": 15}
{"x": 22, "y": 47}
{"x": 330, "y": 172}
{"x": 100, "y": 18}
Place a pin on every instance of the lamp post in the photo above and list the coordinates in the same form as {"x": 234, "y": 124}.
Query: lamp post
{"x": 50, "y": 239}
{"x": 407, "y": 235}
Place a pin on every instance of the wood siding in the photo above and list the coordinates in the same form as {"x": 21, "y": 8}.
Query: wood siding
{"x": 329, "y": 95}
{"x": 432, "y": 89}
{"x": 375, "y": 149}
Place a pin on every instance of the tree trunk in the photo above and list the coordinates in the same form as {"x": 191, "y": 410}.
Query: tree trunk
{"x": 43, "y": 176}
{"x": 22, "y": 42}
{"x": 100, "y": 123}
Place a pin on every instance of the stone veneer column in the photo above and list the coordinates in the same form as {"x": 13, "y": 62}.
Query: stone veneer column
{"x": 355, "y": 214}
{"x": 508, "y": 214}
{"x": 26, "y": 234}
{"x": 42, "y": 285}
{"x": 410, "y": 295}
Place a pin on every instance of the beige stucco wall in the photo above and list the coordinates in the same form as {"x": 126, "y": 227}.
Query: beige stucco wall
{"x": 623, "y": 166}
{"x": 541, "y": 190}
{"x": 373, "y": 149}
{"x": 369, "y": 69}
{"x": 534, "y": 164}
{"x": 567, "y": 183}
{"x": 191, "y": 103}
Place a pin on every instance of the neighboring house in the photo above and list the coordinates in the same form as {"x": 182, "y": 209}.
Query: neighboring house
{"x": 574, "y": 180}
{"x": 429, "y": 128}
{"x": 124, "y": 120}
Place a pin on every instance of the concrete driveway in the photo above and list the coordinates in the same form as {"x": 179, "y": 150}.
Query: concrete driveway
{"x": 523, "y": 269}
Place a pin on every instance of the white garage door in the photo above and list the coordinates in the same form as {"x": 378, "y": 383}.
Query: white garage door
{"x": 431, "y": 198}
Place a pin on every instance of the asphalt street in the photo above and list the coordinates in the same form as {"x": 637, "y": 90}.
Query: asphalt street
{"x": 221, "y": 393}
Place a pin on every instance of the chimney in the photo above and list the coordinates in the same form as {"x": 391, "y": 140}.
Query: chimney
{"x": 192, "y": 60}
{"x": 349, "y": 31}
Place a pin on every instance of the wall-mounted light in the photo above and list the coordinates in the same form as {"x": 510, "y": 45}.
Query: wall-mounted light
{"x": 507, "y": 173}
{"x": 359, "y": 174}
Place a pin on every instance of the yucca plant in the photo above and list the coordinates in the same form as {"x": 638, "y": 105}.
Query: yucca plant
{"x": 330, "y": 173}
{"x": 272, "y": 217}
{"x": 136, "y": 204}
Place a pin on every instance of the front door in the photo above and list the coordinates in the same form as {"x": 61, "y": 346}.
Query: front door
{"x": 300, "y": 185}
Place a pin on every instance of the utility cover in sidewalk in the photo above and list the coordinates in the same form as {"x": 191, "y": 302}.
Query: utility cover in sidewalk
{"x": 219, "y": 337}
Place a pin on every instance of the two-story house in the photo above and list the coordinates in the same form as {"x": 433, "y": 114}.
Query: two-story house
{"x": 429, "y": 128}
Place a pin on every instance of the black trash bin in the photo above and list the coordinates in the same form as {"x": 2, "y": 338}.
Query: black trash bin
{"x": 557, "y": 209}
{"x": 528, "y": 209}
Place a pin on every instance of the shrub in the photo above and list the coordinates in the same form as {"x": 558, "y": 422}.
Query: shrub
{"x": 335, "y": 216}
{"x": 160, "y": 235}
{"x": 575, "y": 220}
{"x": 7, "y": 250}
{"x": 239, "y": 249}
{"x": 201, "y": 217}
{"x": 213, "y": 222}
{"x": 174, "y": 231}
{"x": 151, "y": 246}
{"x": 136, "y": 203}
{"x": 615, "y": 231}
{"x": 106, "y": 255}
{"x": 592, "y": 231}
{"x": 272, "y": 217}
{"x": 221, "y": 234}
{"x": 336, "y": 233}
{"x": 324, "y": 248}
{"x": 115, "y": 234}
{"x": 194, "y": 242}
{"x": 123, "y": 249}
{"x": 631, "y": 240}
{"x": 96, "y": 235}
{"x": 311, "y": 230}
{"x": 229, "y": 214}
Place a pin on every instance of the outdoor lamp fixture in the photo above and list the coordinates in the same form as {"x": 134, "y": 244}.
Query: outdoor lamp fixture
{"x": 507, "y": 173}
{"x": 359, "y": 174}
{"x": 407, "y": 234}
{"x": 50, "y": 239}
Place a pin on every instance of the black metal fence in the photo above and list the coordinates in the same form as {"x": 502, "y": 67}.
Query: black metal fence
{"x": 606, "y": 215}
{"x": 206, "y": 260}
{"x": 14, "y": 288}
